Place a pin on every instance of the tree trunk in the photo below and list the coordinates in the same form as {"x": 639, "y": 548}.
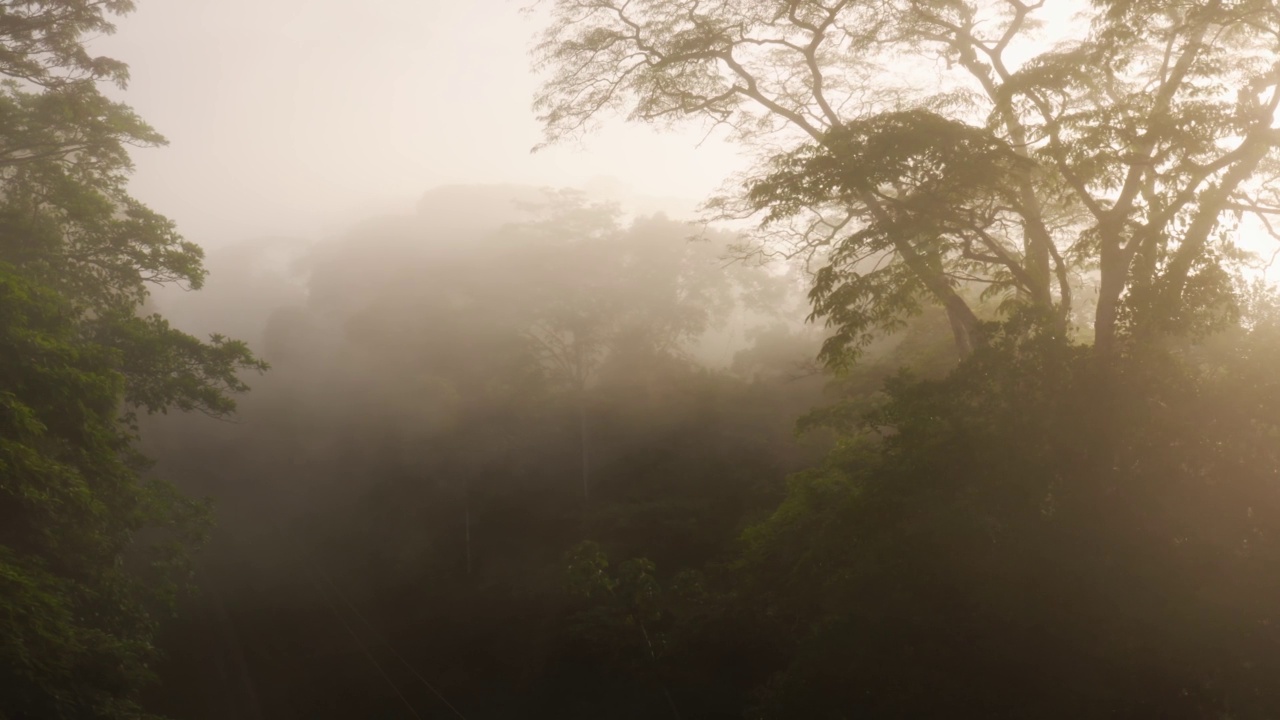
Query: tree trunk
{"x": 964, "y": 325}
{"x": 1114, "y": 264}
{"x": 1104, "y": 324}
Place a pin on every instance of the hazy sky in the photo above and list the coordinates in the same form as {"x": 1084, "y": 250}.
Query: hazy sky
{"x": 293, "y": 117}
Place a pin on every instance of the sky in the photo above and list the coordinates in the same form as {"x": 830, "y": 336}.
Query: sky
{"x": 297, "y": 117}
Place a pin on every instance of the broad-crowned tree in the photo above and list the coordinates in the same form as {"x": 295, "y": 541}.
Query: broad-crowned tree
{"x": 919, "y": 146}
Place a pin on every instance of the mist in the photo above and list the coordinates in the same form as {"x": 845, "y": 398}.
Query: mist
{"x": 455, "y": 390}
{"x": 589, "y": 359}
{"x": 295, "y": 118}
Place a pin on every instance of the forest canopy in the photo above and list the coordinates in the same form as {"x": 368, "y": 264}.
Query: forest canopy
{"x": 1118, "y": 150}
{"x": 959, "y": 401}
{"x": 1050, "y": 529}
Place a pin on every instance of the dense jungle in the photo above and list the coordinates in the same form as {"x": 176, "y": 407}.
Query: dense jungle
{"x": 957, "y": 398}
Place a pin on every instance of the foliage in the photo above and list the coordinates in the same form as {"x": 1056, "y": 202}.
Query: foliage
{"x": 44, "y": 41}
{"x": 81, "y": 591}
{"x": 1095, "y": 540}
{"x": 1030, "y": 533}
{"x": 91, "y": 553}
{"x": 419, "y": 441}
{"x": 1048, "y": 529}
{"x": 1117, "y": 150}
{"x": 68, "y": 222}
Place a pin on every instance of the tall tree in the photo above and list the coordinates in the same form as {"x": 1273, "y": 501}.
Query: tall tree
{"x": 82, "y": 583}
{"x": 80, "y": 594}
{"x": 1121, "y": 155}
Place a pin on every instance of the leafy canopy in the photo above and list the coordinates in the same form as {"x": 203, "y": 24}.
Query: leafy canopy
{"x": 91, "y": 552}
{"x": 919, "y": 148}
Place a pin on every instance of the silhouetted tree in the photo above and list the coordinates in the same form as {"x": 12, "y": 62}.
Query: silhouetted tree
{"x": 1125, "y": 151}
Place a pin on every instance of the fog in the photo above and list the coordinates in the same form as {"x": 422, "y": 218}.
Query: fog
{"x": 828, "y": 359}
{"x": 456, "y": 388}
{"x": 352, "y": 173}
{"x": 295, "y": 117}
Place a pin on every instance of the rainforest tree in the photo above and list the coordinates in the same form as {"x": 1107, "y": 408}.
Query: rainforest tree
{"x": 91, "y": 552}
{"x": 1049, "y": 528}
{"x": 917, "y": 146}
